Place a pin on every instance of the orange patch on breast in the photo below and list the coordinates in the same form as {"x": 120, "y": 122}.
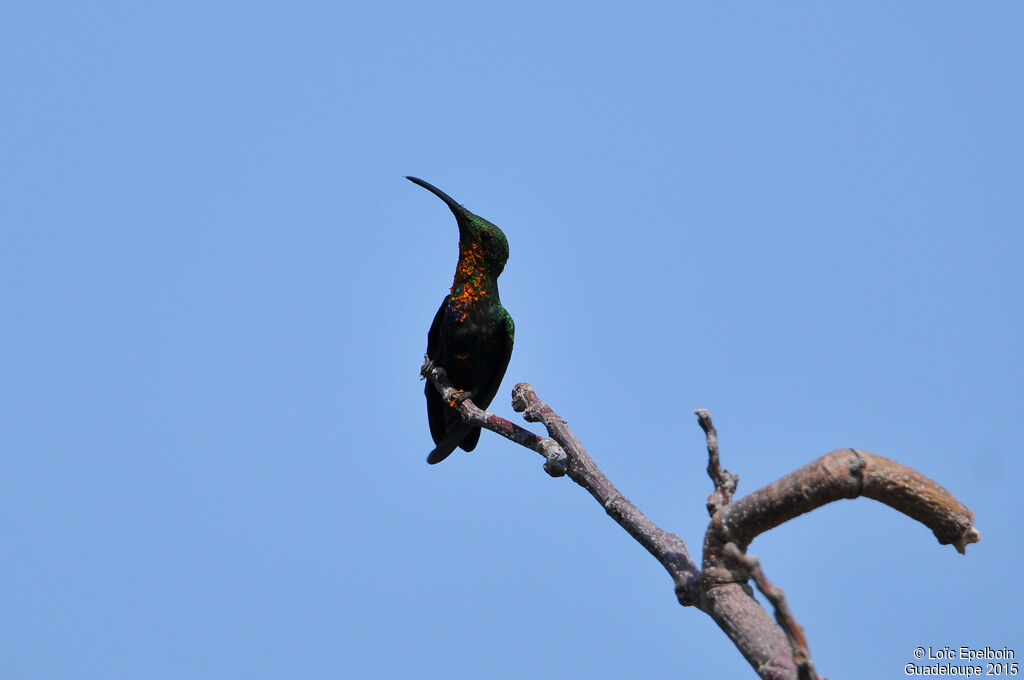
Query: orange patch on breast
{"x": 468, "y": 287}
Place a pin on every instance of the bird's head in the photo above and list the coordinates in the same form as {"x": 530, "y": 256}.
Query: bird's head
{"x": 477, "y": 237}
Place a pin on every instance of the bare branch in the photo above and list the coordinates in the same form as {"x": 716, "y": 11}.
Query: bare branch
{"x": 720, "y": 589}
{"x": 725, "y": 481}
{"x": 794, "y": 631}
{"x": 667, "y": 548}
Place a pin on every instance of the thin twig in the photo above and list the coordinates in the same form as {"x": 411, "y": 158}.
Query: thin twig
{"x": 725, "y": 481}
{"x": 793, "y": 630}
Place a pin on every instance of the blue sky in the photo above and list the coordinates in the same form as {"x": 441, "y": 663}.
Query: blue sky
{"x": 217, "y": 286}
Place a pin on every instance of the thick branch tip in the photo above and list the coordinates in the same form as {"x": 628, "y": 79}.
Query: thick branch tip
{"x": 520, "y": 396}
{"x": 972, "y": 535}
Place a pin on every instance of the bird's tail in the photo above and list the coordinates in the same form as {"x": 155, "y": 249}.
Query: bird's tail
{"x": 451, "y": 441}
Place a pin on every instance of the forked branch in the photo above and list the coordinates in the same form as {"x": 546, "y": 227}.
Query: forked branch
{"x": 719, "y": 587}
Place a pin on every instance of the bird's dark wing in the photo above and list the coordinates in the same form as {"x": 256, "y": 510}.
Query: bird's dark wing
{"x": 436, "y": 415}
{"x": 490, "y": 384}
{"x": 447, "y": 428}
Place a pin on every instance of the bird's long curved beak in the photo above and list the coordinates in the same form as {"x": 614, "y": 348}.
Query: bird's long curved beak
{"x": 460, "y": 212}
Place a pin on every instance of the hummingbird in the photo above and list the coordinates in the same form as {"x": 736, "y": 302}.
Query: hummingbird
{"x": 471, "y": 335}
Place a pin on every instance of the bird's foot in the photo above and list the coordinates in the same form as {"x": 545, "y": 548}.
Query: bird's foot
{"x": 459, "y": 396}
{"x": 427, "y": 368}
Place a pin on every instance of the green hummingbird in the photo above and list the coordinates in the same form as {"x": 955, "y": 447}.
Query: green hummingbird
{"x": 471, "y": 335}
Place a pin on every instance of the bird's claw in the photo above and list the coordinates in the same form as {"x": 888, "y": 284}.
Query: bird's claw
{"x": 427, "y": 368}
